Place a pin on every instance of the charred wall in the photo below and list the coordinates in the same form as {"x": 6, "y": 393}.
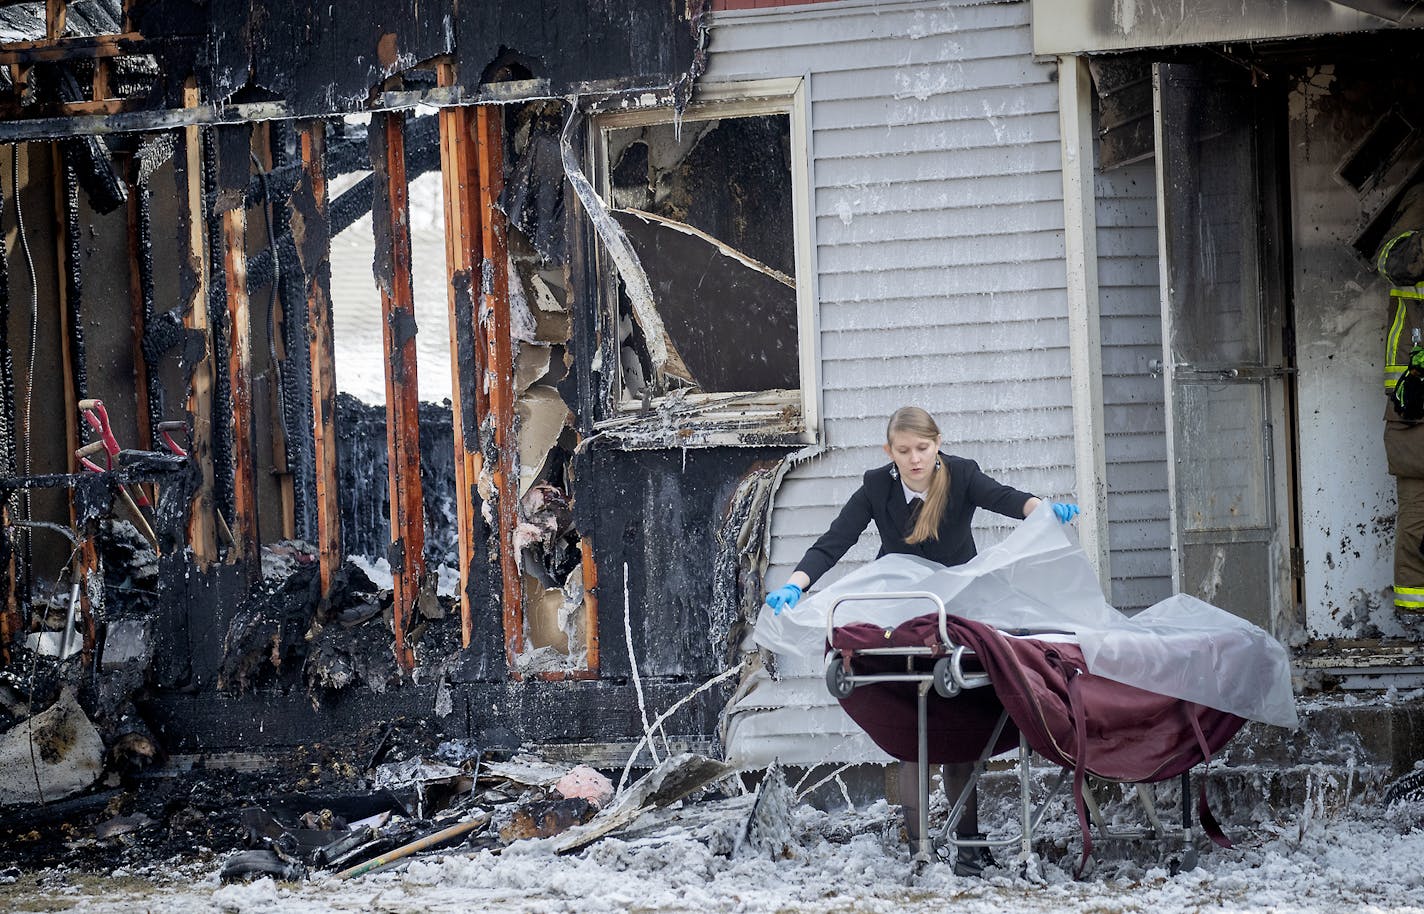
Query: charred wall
{"x": 365, "y": 504}
{"x": 325, "y": 58}
{"x": 250, "y": 650}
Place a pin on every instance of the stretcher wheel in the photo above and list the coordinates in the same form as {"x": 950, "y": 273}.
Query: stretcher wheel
{"x": 837, "y": 679}
{"x": 944, "y": 684}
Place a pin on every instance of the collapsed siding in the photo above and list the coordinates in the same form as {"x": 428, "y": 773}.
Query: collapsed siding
{"x": 938, "y": 237}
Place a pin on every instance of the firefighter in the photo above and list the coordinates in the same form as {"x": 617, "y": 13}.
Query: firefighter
{"x": 1400, "y": 260}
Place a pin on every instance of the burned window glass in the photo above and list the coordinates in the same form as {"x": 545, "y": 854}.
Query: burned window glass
{"x": 707, "y": 206}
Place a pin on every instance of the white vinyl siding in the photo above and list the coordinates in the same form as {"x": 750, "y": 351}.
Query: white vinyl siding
{"x": 937, "y": 237}
{"x": 1128, "y": 289}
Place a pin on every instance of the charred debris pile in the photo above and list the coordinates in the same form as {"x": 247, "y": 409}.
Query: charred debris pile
{"x": 393, "y": 793}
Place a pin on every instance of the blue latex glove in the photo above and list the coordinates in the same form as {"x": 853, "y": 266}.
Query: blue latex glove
{"x": 784, "y": 597}
{"x": 1064, "y": 511}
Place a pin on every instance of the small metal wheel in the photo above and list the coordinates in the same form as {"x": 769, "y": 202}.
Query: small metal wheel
{"x": 944, "y": 684}
{"x": 837, "y": 679}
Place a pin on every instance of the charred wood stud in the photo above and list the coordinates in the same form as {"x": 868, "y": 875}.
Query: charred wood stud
{"x": 311, "y": 234}
{"x": 194, "y": 279}
{"x": 494, "y": 332}
{"x": 239, "y": 366}
{"x": 72, "y": 343}
{"x": 55, "y": 11}
{"x": 463, "y": 246}
{"x": 138, "y": 305}
{"x": 391, "y": 225}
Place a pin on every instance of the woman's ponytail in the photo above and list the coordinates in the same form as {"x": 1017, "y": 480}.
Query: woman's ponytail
{"x": 932, "y": 511}
{"x": 917, "y": 422}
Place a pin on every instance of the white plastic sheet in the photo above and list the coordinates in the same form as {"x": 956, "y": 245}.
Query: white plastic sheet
{"x": 1038, "y": 579}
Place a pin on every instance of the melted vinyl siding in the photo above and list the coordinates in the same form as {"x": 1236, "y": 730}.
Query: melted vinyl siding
{"x": 1132, "y": 397}
{"x": 938, "y": 238}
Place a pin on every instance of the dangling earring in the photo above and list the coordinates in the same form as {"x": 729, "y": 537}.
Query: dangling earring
{"x": 939, "y": 464}
{"x": 894, "y": 471}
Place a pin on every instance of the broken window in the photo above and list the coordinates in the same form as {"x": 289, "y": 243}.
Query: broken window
{"x": 714, "y": 208}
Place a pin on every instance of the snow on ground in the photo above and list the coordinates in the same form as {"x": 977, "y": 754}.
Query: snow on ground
{"x": 1368, "y": 860}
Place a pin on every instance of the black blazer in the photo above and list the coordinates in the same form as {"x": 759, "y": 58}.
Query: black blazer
{"x": 881, "y": 498}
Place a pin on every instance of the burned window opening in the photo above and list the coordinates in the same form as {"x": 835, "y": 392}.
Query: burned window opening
{"x": 709, "y": 205}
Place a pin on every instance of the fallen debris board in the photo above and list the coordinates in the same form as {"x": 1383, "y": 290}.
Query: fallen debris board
{"x": 523, "y": 770}
{"x": 50, "y": 756}
{"x": 669, "y": 782}
{"x": 767, "y": 832}
{"x": 731, "y": 318}
{"x": 546, "y": 818}
{"x": 415, "y": 847}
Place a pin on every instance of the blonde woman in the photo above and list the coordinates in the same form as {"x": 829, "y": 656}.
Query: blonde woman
{"x": 922, "y": 503}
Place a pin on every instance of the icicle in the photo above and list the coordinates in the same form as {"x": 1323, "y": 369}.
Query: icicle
{"x": 725, "y": 674}
{"x": 637, "y": 680}
{"x": 833, "y": 776}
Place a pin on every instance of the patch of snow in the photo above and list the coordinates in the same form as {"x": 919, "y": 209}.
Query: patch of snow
{"x": 378, "y": 570}
{"x": 681, "y": 860}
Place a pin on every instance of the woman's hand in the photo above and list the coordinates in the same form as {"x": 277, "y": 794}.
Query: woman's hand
{"x": 783, "y": 597}
{"x": 1064, "y": 511}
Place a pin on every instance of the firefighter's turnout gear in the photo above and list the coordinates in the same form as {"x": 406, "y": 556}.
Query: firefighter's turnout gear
{"x": 1400, "y": 261}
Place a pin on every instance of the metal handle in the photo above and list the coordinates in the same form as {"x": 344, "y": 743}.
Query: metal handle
{"x": 892, "y": 595}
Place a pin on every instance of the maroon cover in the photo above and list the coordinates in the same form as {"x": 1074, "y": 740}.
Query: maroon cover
{"x": 1128, "y": 734}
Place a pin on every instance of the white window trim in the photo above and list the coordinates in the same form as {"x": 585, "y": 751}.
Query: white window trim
{"x": 743, "y": 99}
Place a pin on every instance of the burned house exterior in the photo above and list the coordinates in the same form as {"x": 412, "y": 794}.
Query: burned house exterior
{"x": 581, "y": 323}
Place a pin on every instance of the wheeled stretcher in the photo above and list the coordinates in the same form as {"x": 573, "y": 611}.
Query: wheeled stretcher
{"x": 939, "y": 688}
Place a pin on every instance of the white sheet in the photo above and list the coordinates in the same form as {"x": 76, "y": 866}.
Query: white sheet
{"x": 1038, "y": 578}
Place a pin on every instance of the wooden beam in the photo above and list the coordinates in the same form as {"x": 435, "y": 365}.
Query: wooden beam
{"x": 390, "y": 217}
{"x": 136, "y": 306}
{"x": 590, "y": 602}
{"x": 78, "y": 47}
{"x": 100, "y": 84}
{"x": 245, "y": 529}
{"x": 494, "y": 337}
{"x": 86, "y": 562}
{"x": 463, "y": 249}
{"x": 194, "y": 276}
{"x": 55, "y": 12}
{"x": 277, "y": 349}
{"x": 311, "y": 234}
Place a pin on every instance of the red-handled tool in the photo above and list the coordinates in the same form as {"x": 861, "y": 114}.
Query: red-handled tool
{"x": 98, "y": 419}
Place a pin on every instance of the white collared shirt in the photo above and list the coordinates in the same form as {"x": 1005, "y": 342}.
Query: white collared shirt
{"x": 911, "y": 494}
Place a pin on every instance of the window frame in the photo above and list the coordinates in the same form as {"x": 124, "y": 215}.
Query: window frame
{"x": 741, "y": 418}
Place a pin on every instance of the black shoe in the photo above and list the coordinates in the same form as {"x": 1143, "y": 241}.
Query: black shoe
{"x": 972, "y": 861}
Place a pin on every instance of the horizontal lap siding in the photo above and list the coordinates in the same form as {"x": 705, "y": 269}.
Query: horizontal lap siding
{"x": 1132, "y": 397}
{"x": 938, "y": 231}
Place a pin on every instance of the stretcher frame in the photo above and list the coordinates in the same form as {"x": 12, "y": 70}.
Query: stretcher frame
{"x": 948, "y": 678}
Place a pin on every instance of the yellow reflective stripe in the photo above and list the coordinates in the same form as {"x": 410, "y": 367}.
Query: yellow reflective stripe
{"x": 1414, "y": 292}
{"x": 1391, "y": 351}
{"x": 1415, "y": 593}
{"x": 1389, "y": 246}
